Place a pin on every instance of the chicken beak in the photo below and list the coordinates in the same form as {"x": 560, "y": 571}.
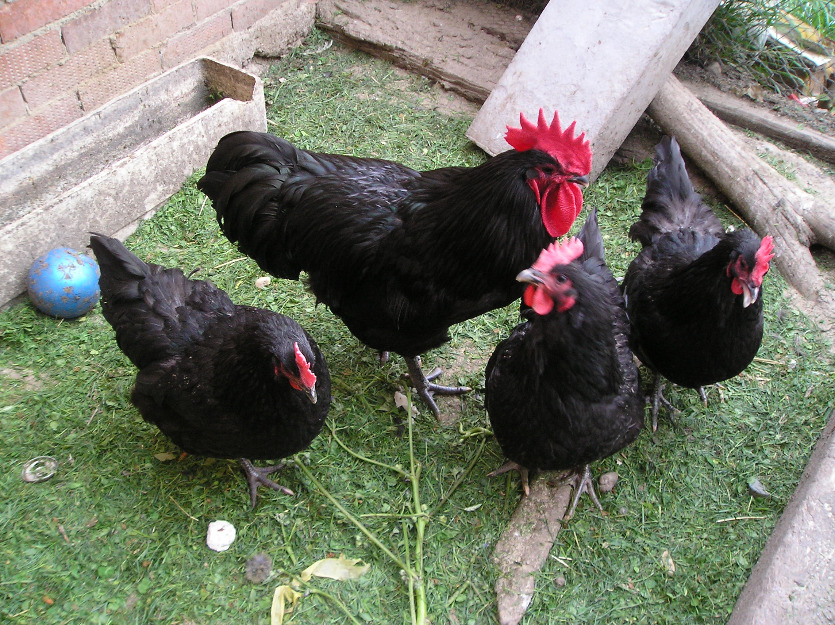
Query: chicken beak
{"x": 311, "y": 394}
{"x": 531, "y": 276}
{"x": 750, "y": 293}
{"x": 582, "y": 181}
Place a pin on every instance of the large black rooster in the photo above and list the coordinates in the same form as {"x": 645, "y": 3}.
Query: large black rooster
{"x": 218, "y": 379}
{"x": 563, "y": 389}
{"x": 694, "y": 292}
{"x": 398, "y": 254}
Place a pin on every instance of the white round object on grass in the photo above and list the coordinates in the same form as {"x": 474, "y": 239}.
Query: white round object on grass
{"x": 220, "y": 536}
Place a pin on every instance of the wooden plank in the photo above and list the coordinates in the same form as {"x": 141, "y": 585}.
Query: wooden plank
{"x": 465, "y": 46}
{"x": 598, "y": 63}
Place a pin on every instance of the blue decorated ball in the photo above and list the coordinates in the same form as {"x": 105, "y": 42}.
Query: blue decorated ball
{"x": 64, "y": 283}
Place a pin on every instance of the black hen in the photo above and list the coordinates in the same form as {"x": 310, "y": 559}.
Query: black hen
{"x": 563, "y": 389}
{"x": 218, "y": 379}
{"x": 399, "y": 255}
{"x": 694, "y": 292}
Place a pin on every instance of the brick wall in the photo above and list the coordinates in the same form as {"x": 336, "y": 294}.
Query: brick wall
{"x": 60, "y": 59}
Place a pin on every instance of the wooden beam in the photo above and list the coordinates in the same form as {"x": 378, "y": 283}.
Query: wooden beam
{"x": 598, "y": 63}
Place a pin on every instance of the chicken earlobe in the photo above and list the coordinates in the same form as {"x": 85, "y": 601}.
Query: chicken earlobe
{"x": 257, "y": 476}
{"x": 425, "y": 388}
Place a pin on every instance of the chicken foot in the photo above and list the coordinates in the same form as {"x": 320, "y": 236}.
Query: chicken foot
{"x": 425, "y": 388}
{"x": 257, "y": 476}
{"x": 581, "y": 481}
{"x": 514, "y": 466}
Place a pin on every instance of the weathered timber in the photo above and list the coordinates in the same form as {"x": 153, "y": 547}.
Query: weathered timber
{"x": 479, "y": 38}
{"x": 525, "y": 545}
{"x": 745, "y": 115}
{"x": 767, "y": 201}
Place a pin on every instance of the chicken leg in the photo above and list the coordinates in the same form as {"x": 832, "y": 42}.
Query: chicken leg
{"x": 658, "y": 398}
{"x": 425, "y": 388}
{"x": 257, "y": 476}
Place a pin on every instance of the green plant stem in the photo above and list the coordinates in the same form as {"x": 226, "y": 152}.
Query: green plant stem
{"x": 351, "y": 452}
{"x": 357, "y": 523}
{"x": 419, "y": 589}
{"x": 461, "y": 478}
{"x": 298, "y": 581}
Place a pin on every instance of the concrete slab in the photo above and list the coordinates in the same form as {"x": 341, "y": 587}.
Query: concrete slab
{"x": 118, "y": 163}
{"x": 600, "y": 64}
{"x": 793, "y": 582}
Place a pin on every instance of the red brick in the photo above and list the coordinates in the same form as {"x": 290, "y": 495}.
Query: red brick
{"x": 207, "y": 8}
{"x": 21, "y": 60}
{"x": 105, "y": 20}
{"x": 67, "y": 75}
{"x": 186, "y": 45}
{"x": 119, "y": 79}
{"x": 152, "y": 30}
{"x": 12, "y": 106}
{"x": 246, "y": 13}
{"x": 24, "y": 16}
{"x": 40, "y": 123}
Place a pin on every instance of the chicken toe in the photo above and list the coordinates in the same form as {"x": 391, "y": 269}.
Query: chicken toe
{"x": 514, "y": 466}
{"x": 581, "y": 481}
{"x": 257, "y": 476}
{"x": 657, "y": 399}
{"x": 426, "y": 389}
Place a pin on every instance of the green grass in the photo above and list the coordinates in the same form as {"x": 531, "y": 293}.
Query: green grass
{"x": 135, "y": 526}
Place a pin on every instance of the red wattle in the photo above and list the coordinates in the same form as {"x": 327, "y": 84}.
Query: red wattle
{"x": 538, "y": 300}
{"x": 559, "y": 214}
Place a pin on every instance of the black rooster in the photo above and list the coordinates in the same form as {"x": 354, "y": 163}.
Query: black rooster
{"x": 563, "y": 389}
{"x": 218, "y": 379}
{"x": 694, "y": 292}
{"x": 398, "y": 254}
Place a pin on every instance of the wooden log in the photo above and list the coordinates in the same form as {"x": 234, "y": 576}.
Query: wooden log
{"x": 745, "y": 115}
{"x": 767, "y": 201}
{"x": 525, "y": 545}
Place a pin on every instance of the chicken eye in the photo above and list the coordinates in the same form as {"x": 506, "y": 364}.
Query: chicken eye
{"x": 561, "y": 278}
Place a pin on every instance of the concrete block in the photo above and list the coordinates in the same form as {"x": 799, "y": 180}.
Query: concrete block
{"x": 119, "y": 163}
{"x": 598, "y": 63}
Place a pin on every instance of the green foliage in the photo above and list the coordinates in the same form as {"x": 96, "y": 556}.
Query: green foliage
{"x": 735, "y": 35}
{"x": 118, "y": 536}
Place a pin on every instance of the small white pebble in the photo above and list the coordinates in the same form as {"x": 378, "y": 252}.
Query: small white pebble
{"x": 263, "y": 282}
{"x": 220, "y": 536}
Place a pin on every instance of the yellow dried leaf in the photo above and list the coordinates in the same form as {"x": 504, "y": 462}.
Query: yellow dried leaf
{"x": 165, "y": 456}
{"x": 284, "y": 599}
{"x": 339, "y": 568}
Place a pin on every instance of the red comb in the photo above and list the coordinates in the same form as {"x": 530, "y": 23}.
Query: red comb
{"x": 307, "y": 377}
{"x": 574, "y": 153}
{"x": 762, "y": 258}
{"x": 558, "y": 254}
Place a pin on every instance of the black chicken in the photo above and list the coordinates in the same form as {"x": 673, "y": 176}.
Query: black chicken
{"x": 398, "y": 254}
{"x": 694, "y": 292}
{"x": 218, "y": 379}
{"x": 563, "y": 389}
